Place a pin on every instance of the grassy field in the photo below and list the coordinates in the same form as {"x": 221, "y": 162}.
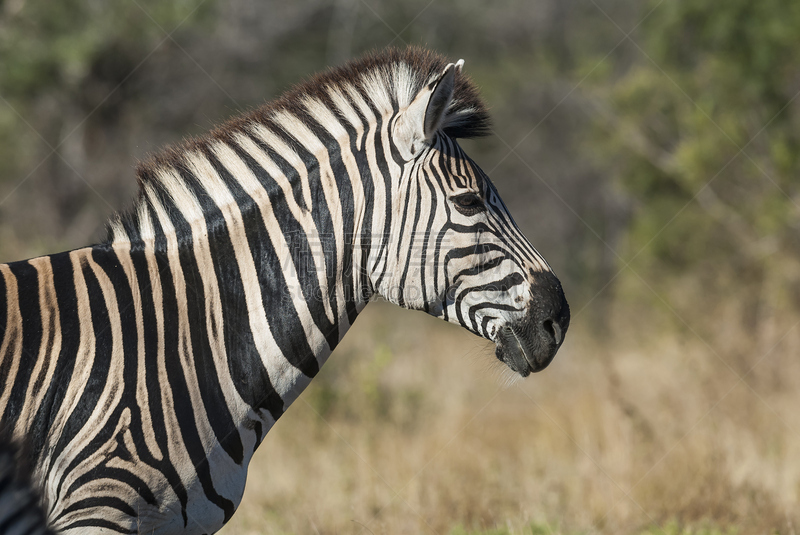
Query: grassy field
{"x": 414, "y": 427}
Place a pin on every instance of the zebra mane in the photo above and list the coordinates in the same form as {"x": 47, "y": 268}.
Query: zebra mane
{"x": 388, "y": 79}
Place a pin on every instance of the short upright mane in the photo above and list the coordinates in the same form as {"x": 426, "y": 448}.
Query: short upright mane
{"x": 387, "y": 79}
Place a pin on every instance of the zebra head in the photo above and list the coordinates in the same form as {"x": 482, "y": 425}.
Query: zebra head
{"x": 454, "y": 250}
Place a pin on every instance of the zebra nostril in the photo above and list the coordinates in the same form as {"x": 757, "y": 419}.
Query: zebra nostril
{"x": 553, "y": 329}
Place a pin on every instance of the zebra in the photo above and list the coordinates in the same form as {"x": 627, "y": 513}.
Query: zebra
{"x": 144, "y": 371}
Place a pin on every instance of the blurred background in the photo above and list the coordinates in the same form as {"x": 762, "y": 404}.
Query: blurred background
{"x": 649, "y": 150}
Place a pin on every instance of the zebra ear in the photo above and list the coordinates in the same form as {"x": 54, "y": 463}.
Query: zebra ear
{"x": 418, "y": 123}
{"x": 439, "y": 101}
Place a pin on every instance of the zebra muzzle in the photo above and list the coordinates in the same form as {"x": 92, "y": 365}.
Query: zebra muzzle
{"x": 529, "y": 344}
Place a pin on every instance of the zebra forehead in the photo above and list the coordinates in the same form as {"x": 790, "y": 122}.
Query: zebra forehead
{"x": 458, "y": 169}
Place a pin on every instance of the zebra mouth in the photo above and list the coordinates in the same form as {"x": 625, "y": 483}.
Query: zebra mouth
{"x": 524, "y": 350}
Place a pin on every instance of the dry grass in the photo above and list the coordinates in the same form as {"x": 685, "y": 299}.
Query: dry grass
{"x": 411, "y": 428}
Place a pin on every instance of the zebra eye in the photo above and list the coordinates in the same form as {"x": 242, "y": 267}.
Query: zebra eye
{"x": 468, "y": 203}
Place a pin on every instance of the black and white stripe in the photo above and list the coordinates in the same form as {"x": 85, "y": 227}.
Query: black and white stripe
{"x": 144, "y": 371}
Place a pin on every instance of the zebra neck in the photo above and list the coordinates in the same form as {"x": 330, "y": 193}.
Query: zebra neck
{"x": 275, "y": 273}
